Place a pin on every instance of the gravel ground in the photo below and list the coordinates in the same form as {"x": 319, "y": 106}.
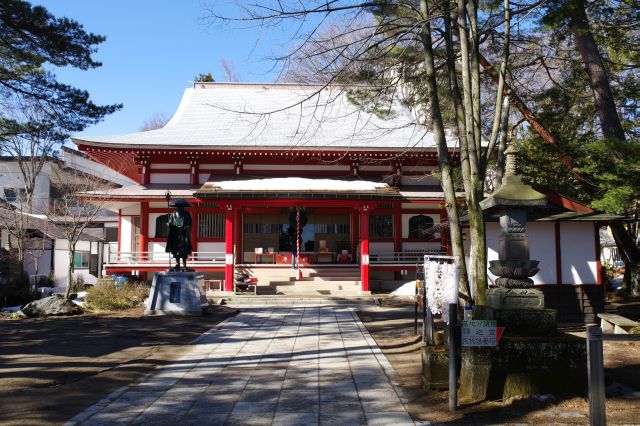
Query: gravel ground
{"x": 391, "y": 325}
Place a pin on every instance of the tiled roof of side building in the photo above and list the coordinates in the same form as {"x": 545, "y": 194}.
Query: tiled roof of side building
{"x": 263, "y": 116}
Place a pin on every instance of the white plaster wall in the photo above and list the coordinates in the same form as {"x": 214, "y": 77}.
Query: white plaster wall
{"x": 420, "y": 246}
{"x": 578, "y": 248}
{"x": 203, "y": 178}
{"x": 157, "y": 249}
{"x": 133, "y": 210}
{"x": 405, "y": 223}
{"x": 221, "y": 166}
{"x": 10, "y": 176}
{"x": 212, "y": 247}
{"x": 410, "y": 206}
{"x": 125, "y": 234}
{"x": 381, "y": 248}
{"x": 419, "y": 180}
{"x": 541, "y": 247}
{"x": 44, "y": 263}
{"x": 492, "y": 234}
{"x": 61, "y": 263}
{"x": 152, "y": 223}
{"x": 169, "y": 166}
{"x": 177, "y": 178}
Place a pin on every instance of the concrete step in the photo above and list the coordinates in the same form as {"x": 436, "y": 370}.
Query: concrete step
{"x": 299, "y": 299}
{"x": 316, "y": 289}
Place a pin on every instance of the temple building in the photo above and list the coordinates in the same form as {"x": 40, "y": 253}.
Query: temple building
{"x": 249, "y": 156}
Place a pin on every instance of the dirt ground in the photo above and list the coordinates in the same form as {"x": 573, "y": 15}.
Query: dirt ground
{"x": 392, "y": 327}
{"x": 53, "y": 368}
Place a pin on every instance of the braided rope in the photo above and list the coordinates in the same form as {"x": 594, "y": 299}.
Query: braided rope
{"x": 298, "y": 238}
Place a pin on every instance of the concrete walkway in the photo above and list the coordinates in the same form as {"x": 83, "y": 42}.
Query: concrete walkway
{"x": 298, "y": 365}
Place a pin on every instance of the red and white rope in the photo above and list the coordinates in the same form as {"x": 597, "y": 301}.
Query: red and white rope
{"x": 298, "y": 238}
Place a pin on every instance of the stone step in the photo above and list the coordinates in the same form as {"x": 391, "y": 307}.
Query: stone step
{"x": 314, "y": 284}
{"x": 298, "y": 299}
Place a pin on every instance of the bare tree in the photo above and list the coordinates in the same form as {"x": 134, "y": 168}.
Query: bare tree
{"x": 425, "y": 54}
{"x": 229, "y": 70}
{"x": 70, "y": 214}
{"x": 31, "y": 153}
{"x": 157, "y": 120}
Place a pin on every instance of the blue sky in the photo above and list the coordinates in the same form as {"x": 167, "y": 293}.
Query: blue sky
{"x": 153, "y": 49}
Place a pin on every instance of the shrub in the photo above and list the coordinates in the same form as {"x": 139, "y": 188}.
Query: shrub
{"x": 15, "y": 290}
{"x": 105, "y": 296}
{"x": 77, "y": 284}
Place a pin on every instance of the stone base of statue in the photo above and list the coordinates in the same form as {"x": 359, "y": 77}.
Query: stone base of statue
{"x": 515, "y": 298}
{"x": 176, "y": 293}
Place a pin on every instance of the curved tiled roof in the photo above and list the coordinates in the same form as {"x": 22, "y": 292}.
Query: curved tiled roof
{"x": 220, "y": 115}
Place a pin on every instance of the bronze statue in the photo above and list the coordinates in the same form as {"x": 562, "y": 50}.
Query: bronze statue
{"x": 179, "y": 236}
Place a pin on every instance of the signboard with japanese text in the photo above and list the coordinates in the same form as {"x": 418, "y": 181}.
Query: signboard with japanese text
{"x": 479, "y": 333}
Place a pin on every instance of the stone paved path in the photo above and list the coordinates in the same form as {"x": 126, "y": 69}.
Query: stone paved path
{"x": 298, "y": 365}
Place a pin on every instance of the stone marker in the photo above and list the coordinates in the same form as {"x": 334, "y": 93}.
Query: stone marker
{"x": 176, "y": 293}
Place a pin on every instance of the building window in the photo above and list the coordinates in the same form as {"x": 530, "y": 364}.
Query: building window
{"x": 162, "y": 230}
{"x": 81, "y": 259}
{"x": 111, "y": 235}
{"x": 13, "y": 194}
{"x": 381, "y": 226}
{"x": 262, "y": 228}
{"x": 211, "y": 225}
{"x": 420, "y": 227}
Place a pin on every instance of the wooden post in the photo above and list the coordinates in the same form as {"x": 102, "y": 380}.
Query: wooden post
{"x": 228, "y": 244}
{"x": 364, "y": 248}
{"x": 194, "y": 228}
{"x": 453, "y": 350}
{"x": 595, "y": 372}
{"x": 144, "y": 231}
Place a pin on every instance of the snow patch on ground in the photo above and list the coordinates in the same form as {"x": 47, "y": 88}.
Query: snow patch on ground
{"x": 406, "y": 289}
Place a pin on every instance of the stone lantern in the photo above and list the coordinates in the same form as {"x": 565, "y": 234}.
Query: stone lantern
{"x": 514, "y": 267}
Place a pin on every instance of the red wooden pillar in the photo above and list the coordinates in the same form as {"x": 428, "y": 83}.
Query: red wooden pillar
{"x": 364, "y": 248}
{"x": 145, "y": 173}
{"x": 228, "y": 244}
{"x": 238, "y": 253}
{"x": 397, "y": 227}
{"x": 354, "y": 233}
{"x": 119, "y": 230}
{"x": 397, "y": 234}
{"x": 195, "y": 217}
{"x": 194, "y": 175}
{"x": 144, "y": 231}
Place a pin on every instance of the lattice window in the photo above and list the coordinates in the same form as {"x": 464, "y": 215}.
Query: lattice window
{"x": 381, "y": 226}
{"x": 211, "y": 225}
{"x": 262, "y": 228}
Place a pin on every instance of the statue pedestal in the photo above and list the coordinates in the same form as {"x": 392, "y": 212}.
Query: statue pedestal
{"x": 515, "y": 298}
{"x": 176, "y": 293}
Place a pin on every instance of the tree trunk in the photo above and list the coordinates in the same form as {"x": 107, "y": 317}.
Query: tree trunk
{"x": 609, "y": 122}
{"x": 451, "y": 205}
{"x": 72, "y": 253}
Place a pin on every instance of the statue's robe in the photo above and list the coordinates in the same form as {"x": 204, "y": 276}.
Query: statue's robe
{"x": 179, "y": 236}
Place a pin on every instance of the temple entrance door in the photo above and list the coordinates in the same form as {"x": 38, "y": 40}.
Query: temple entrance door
{"x": 326, "y": 238}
